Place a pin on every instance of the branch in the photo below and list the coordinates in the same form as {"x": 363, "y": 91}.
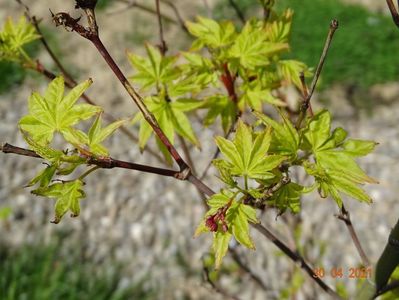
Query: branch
{"x": 306, "y": 102}
{"x": 215, "y": 286}
{"x": 345, "y": 217}
{"x": 394, "y": 12}
{"x": 296, "y": 258}
{"x": 162, "y": 46}
{"x": 102, "y": 162}
{"x": 244, "y": 266}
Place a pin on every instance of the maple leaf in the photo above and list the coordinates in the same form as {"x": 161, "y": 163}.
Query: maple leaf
{"x": 247, "y": 154}
{"x": 55, "y": 112}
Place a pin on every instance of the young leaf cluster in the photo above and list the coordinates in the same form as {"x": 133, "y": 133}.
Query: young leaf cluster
{"x": 56, "y": 113}
{"x": 256, "y": 167}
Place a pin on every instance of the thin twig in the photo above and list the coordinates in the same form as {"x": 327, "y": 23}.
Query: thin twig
{"x": 306, "y": 102}
{"x": 215, "y": 286}
{"x": 394, "y": 12}
{"x": 345, "y": 217}
{"x": 177, "y": 14}
{"x": 244, "y": 266}
{"x": 295, "y": 257}
{"x": 162, "y": 46}
{"x": 238, "y": 11}
{"x": 102, "y": 162}
{"x": 217, "y": 151}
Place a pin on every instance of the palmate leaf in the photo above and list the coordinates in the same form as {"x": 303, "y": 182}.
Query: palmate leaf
{"x": 171, "y": 118}
{"x": 251, "y": 48}
{"x": 336, "y": 170}
{"x": 247, "y": 155}
{"x": 254, "y": 96}
{"x": 237, "y": 217}
{"x": 278, "y": 31}
{"x": 154, "y": 70}
{"x": 14, "y": 36}
{"x": 55, "y": 113}
{"x": 211, "y": 33}
{"x": 290, "y": 71}
{"x": 68, "y": 195}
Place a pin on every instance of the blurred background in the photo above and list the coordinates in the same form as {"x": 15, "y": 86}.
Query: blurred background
{"x": 133, "y": 239}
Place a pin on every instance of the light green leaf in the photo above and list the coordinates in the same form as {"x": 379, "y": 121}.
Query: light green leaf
{"x": 154, "y": 70}
{"x": 171, "y": 118}
{"x": 359, "y": 147}
{"x": 68, "y": 195}
{"x": 238, "y": 221}
{"x": 14, "y": 36}
{"x": 54, "y": 112}
{"x": 291, "y": 69}
{"x": 252, "y": 50}
{"x": 248, "y": 157}
{"x": 210, "y": 33}
{"x": 220, "y": 246}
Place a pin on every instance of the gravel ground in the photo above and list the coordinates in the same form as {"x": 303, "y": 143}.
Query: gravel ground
{"x": 147, "y": 222}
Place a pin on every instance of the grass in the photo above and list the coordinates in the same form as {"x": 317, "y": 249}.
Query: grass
{"x": 364, "y": 50}
{"x": 40, "y": 272}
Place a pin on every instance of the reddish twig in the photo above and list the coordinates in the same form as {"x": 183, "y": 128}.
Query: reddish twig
{"x": 345, "y": 217}
{"x": 162, "y": 46}
{"x": 305, "y": 105}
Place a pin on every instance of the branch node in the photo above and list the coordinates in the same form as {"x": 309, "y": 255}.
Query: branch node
{"x": 184, "y": 174}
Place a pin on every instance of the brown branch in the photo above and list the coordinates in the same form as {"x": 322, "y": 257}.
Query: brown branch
{"x": 102, "y": 162}
{"x": 217, "y": 152}
{"x": 345, "y": 217}
{"x": 394, "y": 12}
{"x": 215, "y": 286}
{"x": 296, "y": 258}
{"x": 177, "y": 14}
{"x": 306, "y": 102}
{"x": 246, "y": 269}
{"x": 162, "y": 46}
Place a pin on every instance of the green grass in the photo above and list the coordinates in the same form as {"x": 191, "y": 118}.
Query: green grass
{"x": 364, "y": 50}
{"x": 40, "y": 272}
